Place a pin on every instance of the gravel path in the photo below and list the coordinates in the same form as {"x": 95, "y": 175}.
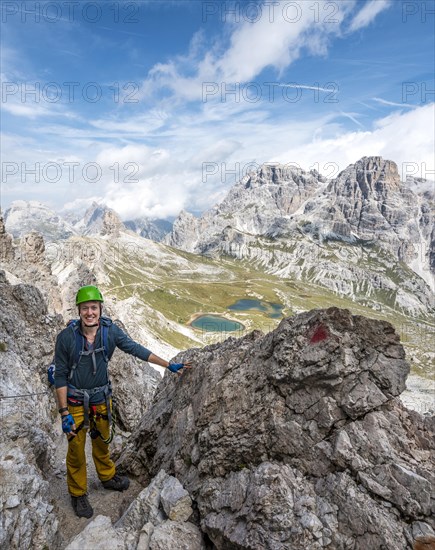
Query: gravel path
{"x": 103, "y": 501}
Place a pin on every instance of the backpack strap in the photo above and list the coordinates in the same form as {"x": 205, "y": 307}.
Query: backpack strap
{"x": 79, "y": 345}
{"x": 105, "y": 324}
{"x": 103, "y": 342}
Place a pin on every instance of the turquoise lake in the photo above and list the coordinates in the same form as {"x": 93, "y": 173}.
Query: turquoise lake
{"x": 215, "y": 323}
{"x": 273, "y": 310}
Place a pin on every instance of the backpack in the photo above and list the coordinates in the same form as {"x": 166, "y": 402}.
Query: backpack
{"x": 74, "y": 325}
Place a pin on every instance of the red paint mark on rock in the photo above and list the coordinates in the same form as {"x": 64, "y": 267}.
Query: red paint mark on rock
{"x": 319, "y": 334}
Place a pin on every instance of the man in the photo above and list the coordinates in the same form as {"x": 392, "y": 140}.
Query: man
{"x": 83, "y": 350}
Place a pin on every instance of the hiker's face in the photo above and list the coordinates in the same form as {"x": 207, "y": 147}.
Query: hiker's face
{"x": 89, "y": 313}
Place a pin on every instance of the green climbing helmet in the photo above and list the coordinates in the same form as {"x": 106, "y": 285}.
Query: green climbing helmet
{"x": 88, "y": 294}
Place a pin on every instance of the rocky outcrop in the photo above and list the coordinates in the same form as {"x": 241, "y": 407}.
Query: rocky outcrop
{"x": 251, "y": 206}
{"x": 6, "y": 243}
{"x": 28, "y": 262}
{"x": 31, "y": 496}
{"x": 374, "y": 204}
{"x": 155, "y": 520}
{"x": 295, "y": 439}
{"x": 32, "y": 248}
{"x": 134, "y": 385}
{"x": 28, "y": 412}
{"x": 185, "y": 232}
{"x": 100, "y": 220}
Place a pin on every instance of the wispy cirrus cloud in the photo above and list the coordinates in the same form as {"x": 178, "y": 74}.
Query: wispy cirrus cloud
{"x": 368, "y": 13}
{"x": 391, "y": 103}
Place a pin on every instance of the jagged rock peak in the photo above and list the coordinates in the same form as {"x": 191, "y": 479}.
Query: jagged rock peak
{"x": 374, "y": 176}
{"x": 185, "y": 232}
{"x": 281, "y": 174}
{"x": 294, "y": 439}
{"x": 100, "y": 219}
{"x": 2, "y": 225}
{"x": 33, "y": 247}
{"x": 6, "y": 243}
{"x": 25, "y": 216}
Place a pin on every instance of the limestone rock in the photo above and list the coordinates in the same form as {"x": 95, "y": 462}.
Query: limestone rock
{"x": 134, "y": 383}
{"x": 112, "y": 224}
{"x": 185, "y": 232}
{"x": 27, "y": 448}
{"x": 99, "y": 534}
{"x": 99, "y": 219}
{"x": 33, "y": 247}
{"x": 144, "y": 525}
{"x": 6, "y": 243}
{"x": 295, "y": 439}
{"x": 175, "y": 534}
{"x": 176, "y": 501}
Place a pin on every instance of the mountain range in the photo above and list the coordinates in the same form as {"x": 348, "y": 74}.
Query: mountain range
{"x": 24, "y": 216}
{"x": 365, "y": 234}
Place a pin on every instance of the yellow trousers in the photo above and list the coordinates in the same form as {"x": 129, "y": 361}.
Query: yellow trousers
{"x": 76, "y": 457}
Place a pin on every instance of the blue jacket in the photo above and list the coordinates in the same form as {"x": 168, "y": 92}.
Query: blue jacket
{"x": 83, "y": 377}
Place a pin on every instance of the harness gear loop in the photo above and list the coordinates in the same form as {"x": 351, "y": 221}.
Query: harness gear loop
{"x": 94, "y": 432}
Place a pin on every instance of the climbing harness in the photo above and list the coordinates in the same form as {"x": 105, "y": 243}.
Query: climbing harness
{"x": 94, "y": 416}
{"x": 84, "y": 396}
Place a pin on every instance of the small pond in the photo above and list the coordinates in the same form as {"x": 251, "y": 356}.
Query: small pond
{"x": 216, "y": 323}
{"x": 273, "y": 310}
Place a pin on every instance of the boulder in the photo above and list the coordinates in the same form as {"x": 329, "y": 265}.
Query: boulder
{"x": 295, "y": 439}
{"x": 145, "y": 525}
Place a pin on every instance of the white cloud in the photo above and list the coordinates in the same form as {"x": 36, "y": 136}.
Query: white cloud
{"x": 28, "y": 111}
{"x": 368, "y": 13}
{"x": 269, "y": 42}
{"x": 195, "y": 170}
{"x": 406, "y": 138}
{"x": 199, "y": 163}
{"x": 29, "y": 100}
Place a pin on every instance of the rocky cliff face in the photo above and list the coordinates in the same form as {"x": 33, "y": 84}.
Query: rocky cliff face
{"x": 372, "y": 203}
{"x": 27, "y": 438}
{"x": 6, "y": 243}
{"x": 295, "y": 439}
{"x": 251, "y": 206}
{"x": 100, "y": 220}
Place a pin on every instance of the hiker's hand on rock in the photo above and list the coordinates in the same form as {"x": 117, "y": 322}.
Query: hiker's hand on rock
{"x": 178, "y": 367}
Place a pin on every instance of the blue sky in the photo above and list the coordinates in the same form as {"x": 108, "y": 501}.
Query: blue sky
{"x": 152, "y": 107}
